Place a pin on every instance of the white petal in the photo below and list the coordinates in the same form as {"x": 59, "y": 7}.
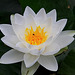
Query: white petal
{"x": 19, "y": 19}
{"x": 53, "y": 15}
{"x": 22, "y": 48}
{"x": 29, "y": 71}
{"x": 18, "y": 29}
{"x": 47, "y": 25}
{"x": 36, "y": 51}
{"x": 49, "y": 62}
{"x": 68, "y": 32}
{"x": 30, "y": 60}
{"x": 48, "y": 41}
{"x": 63, "y": 40}
{"x": 29, "y": 11}
{"x": 60, "y": 42}
{"x": 41, "y": 13}
{"x": 11, "y": 56}
{"x": 58, "y": 26}
{"x": 7, "y": 29}
{"x": 10, "y": 40}
{"x": 51, "y": 49}
{"x": 29, "y": 21}
{"x": 40, "y": 17}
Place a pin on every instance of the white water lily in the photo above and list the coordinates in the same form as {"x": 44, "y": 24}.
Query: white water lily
{"x": 35, "y": 38}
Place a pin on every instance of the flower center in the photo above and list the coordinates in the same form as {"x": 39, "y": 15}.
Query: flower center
{"x": 35, "y": 37}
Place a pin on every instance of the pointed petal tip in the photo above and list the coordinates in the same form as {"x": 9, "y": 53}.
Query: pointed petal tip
{"x": 12, "y": 56}
{"x": 52, "y": 14}
{"x": 32, "y": 64}
{"x": 64, "y": 20}
{"x": 42, "y": 9}
{"x": 28, "y": 11}
{"x": 27, "y": 7}
{"x": 16, "y": 14}
{"x": 69, "y": 32}
{"x": 3, "y": 39}
{"x": 11, "y": 15}
{"x": 30, "y": 60}
{"x": 28, "y": 66}
{"x": 49, "y": 62}
{"x": 54, "y": 10}
{"x": 53, "y": 68}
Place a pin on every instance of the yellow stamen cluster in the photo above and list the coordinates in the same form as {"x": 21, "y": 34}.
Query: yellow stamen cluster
{"x": 35, "y": 37}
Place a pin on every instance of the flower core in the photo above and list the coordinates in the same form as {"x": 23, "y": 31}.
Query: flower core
{"x": 35, "y": 37}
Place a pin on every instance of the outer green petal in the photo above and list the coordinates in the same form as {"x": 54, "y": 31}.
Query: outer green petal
{"x": 29, "y": 71}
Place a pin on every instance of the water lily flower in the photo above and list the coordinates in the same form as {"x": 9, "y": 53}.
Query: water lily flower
{"x": 35, "y": 38}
